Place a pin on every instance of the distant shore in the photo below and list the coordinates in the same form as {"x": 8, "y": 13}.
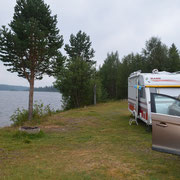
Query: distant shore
{"x": 5, "y": 87}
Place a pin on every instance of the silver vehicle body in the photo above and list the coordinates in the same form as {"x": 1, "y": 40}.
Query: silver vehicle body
{"x": 140, "y": 87}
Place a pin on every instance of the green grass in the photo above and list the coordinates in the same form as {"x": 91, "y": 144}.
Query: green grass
{"x": 95, "y": 142}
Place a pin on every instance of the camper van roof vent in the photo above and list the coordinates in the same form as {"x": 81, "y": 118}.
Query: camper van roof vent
{"x": 136, "y": 73}
{"x": 155, "y": 71}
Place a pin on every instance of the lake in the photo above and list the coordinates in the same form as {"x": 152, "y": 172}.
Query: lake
{"x": 11, "y": 100}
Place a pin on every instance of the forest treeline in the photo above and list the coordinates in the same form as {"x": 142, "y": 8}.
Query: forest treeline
{"x": 79, "y": 77}
{"x": 155, "y": 55}
{"x": 46, "y": 89}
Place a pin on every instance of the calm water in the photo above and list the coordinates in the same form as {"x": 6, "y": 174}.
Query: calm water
{"x": 11, "y": 100}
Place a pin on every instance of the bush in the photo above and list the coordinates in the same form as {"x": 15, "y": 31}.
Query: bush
{"x": 20, "y": 116}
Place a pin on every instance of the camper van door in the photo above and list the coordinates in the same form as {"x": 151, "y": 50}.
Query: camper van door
{"x": 165, "y": 123}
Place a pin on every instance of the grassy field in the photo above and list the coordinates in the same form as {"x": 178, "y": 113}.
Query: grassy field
{"x": 94, "y": 142}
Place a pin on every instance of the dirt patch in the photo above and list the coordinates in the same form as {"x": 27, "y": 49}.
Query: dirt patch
{"x": 72, "y": 120}
{"x": 53, "y": 128}
{"x": 64, "y": 124}
{"x": 57, "y": 128}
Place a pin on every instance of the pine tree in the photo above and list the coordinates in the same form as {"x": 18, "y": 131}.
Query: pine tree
{"x": 173, "y": 59}
{"x": 156, "y": 55}
{"x": 31, "y": 46}
{"x": 109, "y": 75}
{"x": 75, "y": 83}
{"x": 77, "y": 78}
{"x": 80, "y": 46}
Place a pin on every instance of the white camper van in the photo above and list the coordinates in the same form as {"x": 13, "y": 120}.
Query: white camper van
{"x": 140, "y": 87}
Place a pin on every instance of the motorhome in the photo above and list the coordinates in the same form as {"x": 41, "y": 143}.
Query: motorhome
{"x": 142, "y": 85}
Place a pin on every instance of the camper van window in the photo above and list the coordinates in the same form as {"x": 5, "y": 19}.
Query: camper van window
{"x": 153, "y": 90}
{"x": 142, "y": 93}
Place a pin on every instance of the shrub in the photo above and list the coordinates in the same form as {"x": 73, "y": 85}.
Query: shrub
{"x": 20, "y": 116}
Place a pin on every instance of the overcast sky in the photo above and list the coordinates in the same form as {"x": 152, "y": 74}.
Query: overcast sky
{"x": 111, "y": 24}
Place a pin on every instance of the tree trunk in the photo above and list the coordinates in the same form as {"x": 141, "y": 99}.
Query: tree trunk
{"x": 95, "y": 94}
{"x": 77, "y": 99}
{"x": 31, "y": 93}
